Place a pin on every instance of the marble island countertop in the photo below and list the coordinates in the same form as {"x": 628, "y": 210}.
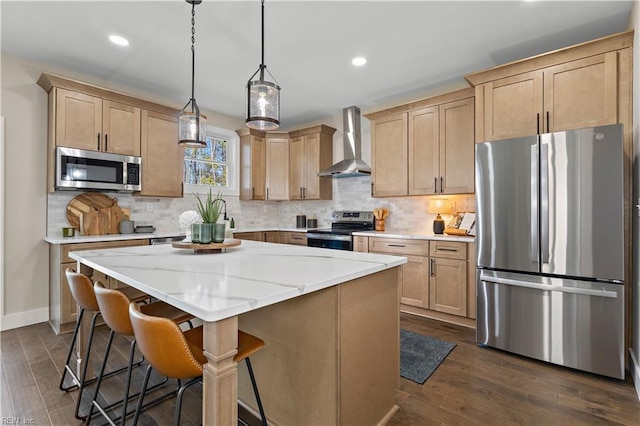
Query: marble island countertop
{"x": 220, "y": 285}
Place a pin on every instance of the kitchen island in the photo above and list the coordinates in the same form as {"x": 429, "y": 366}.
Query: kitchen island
{"x": 330, "y": 320}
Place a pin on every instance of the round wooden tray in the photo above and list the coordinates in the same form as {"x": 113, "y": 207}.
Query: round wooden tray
{"x": 206, "y": 248}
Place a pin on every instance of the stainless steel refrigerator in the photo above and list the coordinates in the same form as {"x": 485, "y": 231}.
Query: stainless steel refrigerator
{"x": 550, "y": 254}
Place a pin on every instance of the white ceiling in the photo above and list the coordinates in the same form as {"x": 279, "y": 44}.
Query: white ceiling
{"x": 414, "y": 49}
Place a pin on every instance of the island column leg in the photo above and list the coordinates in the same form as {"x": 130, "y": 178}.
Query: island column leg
{"x": 220, "y": 376}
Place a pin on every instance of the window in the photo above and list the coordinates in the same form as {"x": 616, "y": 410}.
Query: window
{"x": 214, "y": 166}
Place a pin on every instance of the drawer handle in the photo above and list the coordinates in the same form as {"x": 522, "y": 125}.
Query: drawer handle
{"x": 432, "y": 267}
{"x": 446, "y": 249}
{"x": 396, "y": 245}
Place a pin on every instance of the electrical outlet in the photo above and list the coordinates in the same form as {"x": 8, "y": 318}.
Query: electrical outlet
{"x": 149, "y": 207}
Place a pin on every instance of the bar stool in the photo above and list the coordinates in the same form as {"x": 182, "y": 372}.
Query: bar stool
{"x": 180, "y": 355}
{"x": 114, "y": 307}
{"x": 82, "y": 292}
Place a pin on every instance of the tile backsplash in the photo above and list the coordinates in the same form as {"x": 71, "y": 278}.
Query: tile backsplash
{"x": 405, "y": 213}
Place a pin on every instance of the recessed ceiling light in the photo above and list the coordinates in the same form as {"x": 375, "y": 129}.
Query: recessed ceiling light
{"x": 120, "y": 41}
{"x": 359, "y": 61}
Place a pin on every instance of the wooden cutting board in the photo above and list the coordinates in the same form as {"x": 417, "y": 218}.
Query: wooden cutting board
{"x": 94, "y": 213}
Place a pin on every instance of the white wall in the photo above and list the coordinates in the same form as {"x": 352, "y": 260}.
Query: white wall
{"x": 26, "y": 272}
{"x": 634, "y": 366}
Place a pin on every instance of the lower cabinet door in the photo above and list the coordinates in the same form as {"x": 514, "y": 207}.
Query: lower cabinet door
{"x": 415, "y": 282}
{"x": 68, "y": 305}
{"x": 448, "y": 286}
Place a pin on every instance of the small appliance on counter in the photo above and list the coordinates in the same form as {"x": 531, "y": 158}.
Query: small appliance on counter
{"x": 301, "y": 221}
{"x": 312, "y": 223}
{"x": 145, "y": 229}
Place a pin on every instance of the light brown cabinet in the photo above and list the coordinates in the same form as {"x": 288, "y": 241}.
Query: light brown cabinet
{"x": 252, "y": 164}
{"x": 389, "y": 153}
{"x": 89, "y": 122}
{"x": 162, "y": 157}
{"x": 277, "y": 167}
{"x": 414, "y": 275}
{"x": 580, "y": 86}
{"x": 252, "y": 236}
{"x": 62, "y": 306}
{"x": 448, "y": 277}
{"x": 310, "y": 151}
{"x": 441, "y": 148}
{"x": 572, "y": 95}
{"x": 89, "y": 117}
{"x": 295, "y": 238}
{"x": 361, "y": 244}
{"x": 426, "y": 147}
{"x": 438, "y": 280}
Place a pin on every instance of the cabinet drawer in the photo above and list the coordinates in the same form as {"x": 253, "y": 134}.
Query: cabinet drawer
{"x": 297, "y": 238}
{"x": 448, "y": 249}
{"x": 399, "y": 246}
{"x": 66, "y": 248}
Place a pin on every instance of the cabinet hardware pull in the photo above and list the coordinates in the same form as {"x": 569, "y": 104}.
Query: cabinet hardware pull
{"x": 106, "y": 142}
{"x": 446, "y": 249}
{"x": 432, "y": 267}
{"x": 304, "y": 192}
{"x": 372, "y": 189}
{"x": 267, "y": 193}
{"x": 441, "y": 185}
{"x": 435, "y": 185}
{"x": 301, "y": 193}
{"x": 98, "y": 141}
{"x": 537, "y": 123}
{"x": 253, "y": 192}
{"x": 547, "y": 121}
{"x": 396, "y": 245}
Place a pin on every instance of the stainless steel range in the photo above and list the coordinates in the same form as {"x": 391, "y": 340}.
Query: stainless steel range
{"x": 340, "y": 236}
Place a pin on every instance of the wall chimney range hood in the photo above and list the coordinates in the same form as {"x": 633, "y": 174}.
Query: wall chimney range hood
{"x": 352, "y": 165}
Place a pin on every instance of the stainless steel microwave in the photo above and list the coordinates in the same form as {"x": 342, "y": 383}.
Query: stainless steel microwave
{"x": 82, "y": 169}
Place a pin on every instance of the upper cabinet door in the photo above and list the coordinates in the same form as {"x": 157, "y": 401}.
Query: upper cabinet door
{"x": 513, "y": 106}
{"x": 121, "y": 128}
{"x": 312, "y": 167}
{"x": 78, "y": 120}
{"x": 457, "y": 147}
{"x": 162, "y": 157}
{"x": 296, "y": 167}
{"x": 581, "y": 93}
{"x": 389, "y": 142}
{"x": 258, "y": 172}
{"x": 423, "y": 151}
{"x": 277, "y": 168}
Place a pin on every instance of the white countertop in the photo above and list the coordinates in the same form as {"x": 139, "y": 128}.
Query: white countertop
{"x": 59, "y": 239}
{"x": 247, "y": 277}
{"x": 415, "y": 236}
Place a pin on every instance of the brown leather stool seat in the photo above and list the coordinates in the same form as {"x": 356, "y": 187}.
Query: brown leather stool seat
{"x": 82, "y": 292}
{"x": 180, "y": 355}
{"x": 114, "y": 307}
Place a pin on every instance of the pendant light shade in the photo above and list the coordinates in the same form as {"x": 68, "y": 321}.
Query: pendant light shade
{"x": 263, "y": 96}
{"x": 192, "y": 126}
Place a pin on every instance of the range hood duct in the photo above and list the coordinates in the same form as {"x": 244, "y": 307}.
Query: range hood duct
{"x": 352, "y": 165}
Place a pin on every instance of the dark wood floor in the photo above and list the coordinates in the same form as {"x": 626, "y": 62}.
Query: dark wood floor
{"x": 472, "y": 386}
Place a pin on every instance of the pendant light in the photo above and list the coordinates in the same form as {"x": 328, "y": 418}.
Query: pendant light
{"x": 263, "y": 97}
{"x": 192, "y": 126}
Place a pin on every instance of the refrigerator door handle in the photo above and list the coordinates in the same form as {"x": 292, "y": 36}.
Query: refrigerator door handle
{"x": 544, "y": 201}
{"x": 546, "y": 287}
{"x": 533, "y": 240}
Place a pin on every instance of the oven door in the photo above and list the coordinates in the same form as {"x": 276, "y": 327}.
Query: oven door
{"x": 330, "y": 241}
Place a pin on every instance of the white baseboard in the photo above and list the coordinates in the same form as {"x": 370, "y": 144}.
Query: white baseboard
{"x": 23, "y": 319}
{"x": 635, "y": 372}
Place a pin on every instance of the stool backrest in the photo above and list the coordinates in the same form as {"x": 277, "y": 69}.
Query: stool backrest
{"x": 82, "y": 290}
{"x": 163, "y": 345}
{"x": 114, "y": 307}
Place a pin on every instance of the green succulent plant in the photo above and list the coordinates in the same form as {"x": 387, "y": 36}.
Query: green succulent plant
{"x": 210, "y": 207}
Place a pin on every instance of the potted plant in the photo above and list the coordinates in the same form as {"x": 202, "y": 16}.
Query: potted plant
{"x": 210, "y": 209}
